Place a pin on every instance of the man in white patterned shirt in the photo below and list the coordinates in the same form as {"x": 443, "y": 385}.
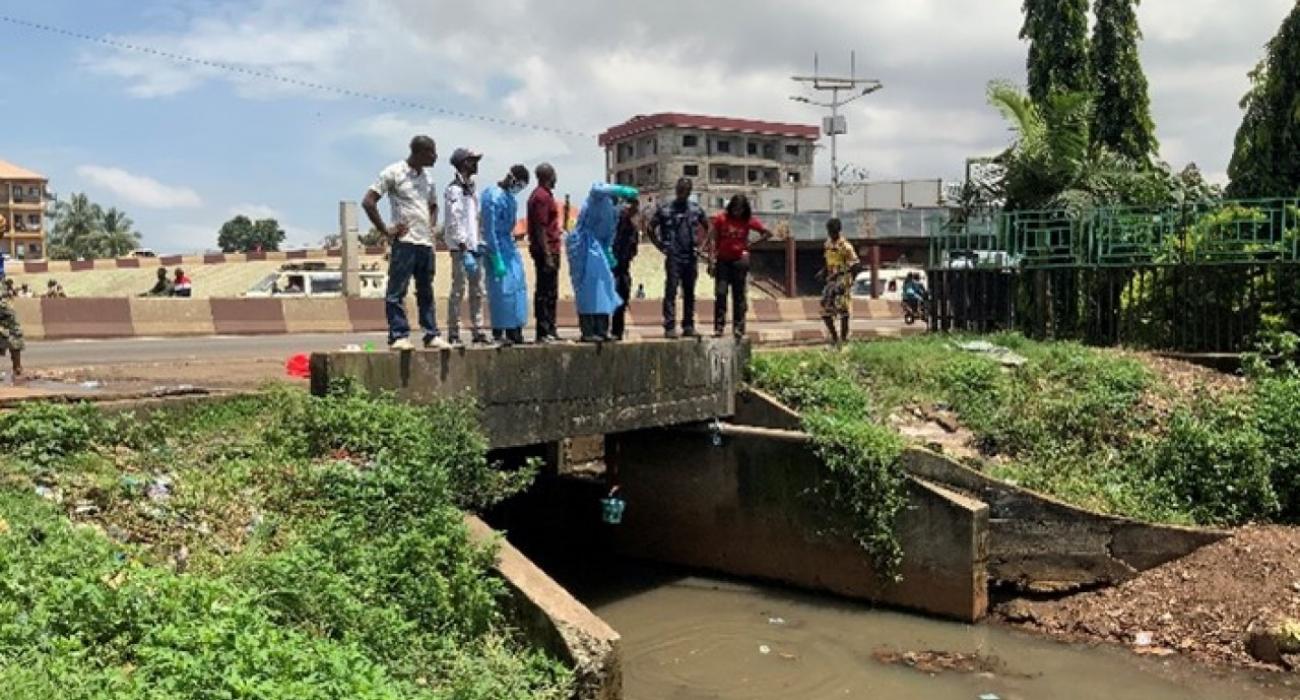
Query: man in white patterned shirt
{"x": 465, "y": 241}
{"x": 414, "y": 209}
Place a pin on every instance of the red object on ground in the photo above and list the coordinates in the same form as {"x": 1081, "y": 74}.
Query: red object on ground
{"x": 299, "y": 366}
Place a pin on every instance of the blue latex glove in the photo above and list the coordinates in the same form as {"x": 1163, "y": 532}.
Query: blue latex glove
{"x": 609, "y": 255}
{"x": 469, "y": 260}
{"x": 498, "y": 266}
{"x": 625, "y": 192}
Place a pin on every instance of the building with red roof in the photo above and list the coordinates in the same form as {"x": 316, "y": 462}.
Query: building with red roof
{"x": 722, "y": 156}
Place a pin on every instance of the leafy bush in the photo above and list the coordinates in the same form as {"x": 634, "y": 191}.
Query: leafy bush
{"x": 360, "y": 581}
{"x": 44, "y": 433}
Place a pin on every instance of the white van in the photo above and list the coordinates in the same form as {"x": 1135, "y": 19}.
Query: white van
{"x": 294, "y": 281}
{"x": 889, "y": 282}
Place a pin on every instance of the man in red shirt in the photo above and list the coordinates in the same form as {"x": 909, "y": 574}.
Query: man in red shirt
{"x": 544, "y": 237}
{"x": 729, "y": 262}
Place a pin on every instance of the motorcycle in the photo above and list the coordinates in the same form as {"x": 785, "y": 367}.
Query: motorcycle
{"x": 916, "y": 310}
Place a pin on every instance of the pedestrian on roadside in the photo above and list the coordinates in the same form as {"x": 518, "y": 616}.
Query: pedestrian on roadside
{"x": 626, "y": 241}
{"x": 181, "y": 285}
{"x": 841, "y": 263}
{"x": 544, "y": 238}
{"x": 640, "y": 291}
{"x": 676, "y": 229}
{"x": 162, "y": 287}
{"x": 414, "y": 203}
{"x": 728, "y": 254}
{"x": 464, "y": 239}
{"x": 11, "y": 337}
{"x": 507, "y": 286}
{"x": 54, "y": 290}
{"x": 10, "y": 290}
{"x": 25, "y": 292}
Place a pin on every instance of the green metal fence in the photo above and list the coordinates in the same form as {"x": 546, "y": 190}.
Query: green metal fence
{"x": 1201, "y": 277}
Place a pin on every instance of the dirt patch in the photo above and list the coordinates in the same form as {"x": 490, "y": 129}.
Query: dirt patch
{"x": 223, "y": 374}
{"x": 936, "y": 428}
{"x": 1204, "y": 606}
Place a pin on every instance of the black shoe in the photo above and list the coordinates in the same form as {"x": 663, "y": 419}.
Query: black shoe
{"x": 453, "y": 339}
{"x": 482, "y": 339}
{"x": 589, "y": 339}
{"x": 719, "y": 332}
{"x": 689, "y": 333}
{"x": 670, "y": 334}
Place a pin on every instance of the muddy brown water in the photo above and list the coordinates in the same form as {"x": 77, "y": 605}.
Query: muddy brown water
{"x": 694, "y": 638}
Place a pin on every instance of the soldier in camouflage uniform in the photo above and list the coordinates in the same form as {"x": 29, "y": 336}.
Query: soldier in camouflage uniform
{"x": 11, "y": 336}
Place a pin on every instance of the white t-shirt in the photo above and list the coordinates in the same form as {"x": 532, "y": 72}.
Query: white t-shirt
{"x": 410, "y": 194}
{"x": 462, "y": 218}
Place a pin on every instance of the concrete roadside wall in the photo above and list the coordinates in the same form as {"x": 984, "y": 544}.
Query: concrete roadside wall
{"x": 744, "y": 509}
{"x": 540, "y": 394}
{"x": 551, "y": 618}
{"x": 125, "y": 317}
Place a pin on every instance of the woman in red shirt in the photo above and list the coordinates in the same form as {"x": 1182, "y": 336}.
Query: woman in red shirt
{"x": 729, "y": 262}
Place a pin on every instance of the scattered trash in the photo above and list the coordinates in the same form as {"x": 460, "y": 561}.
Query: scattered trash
{"x": 85, "y": 508}
{"x": 937, "y": 662}
{"x": 4, "y": 527}
{"x": 160, "y": 489}
{"x": 351, "y": 348}
{"x": 776, "y": 621}
{"x": 92, "y": 385}
{"x": 299, "y": 366}
{"x": 764, "y": 649}
{"x": 1143, "y": 639}
{"x": 1005, "y": 356}
{"x": 370, "y": 347}
{"x": 989, "y": 696}
{"x": 50, "y": 494}
{"x": 788, "y": 657}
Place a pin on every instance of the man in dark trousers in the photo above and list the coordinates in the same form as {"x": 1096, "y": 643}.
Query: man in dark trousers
{"x": 676, "y": 230}
{"x": 544, "y": 236}
{"x": 625, "y": 245}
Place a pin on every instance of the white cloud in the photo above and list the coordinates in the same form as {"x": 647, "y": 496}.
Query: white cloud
{"x": 255, "y": 211}
{"x": 138, "y": 189}
{"x": 585, "y": 65}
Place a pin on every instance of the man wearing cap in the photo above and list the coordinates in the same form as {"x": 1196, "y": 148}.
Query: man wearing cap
{"x": 415, "y": 208}
{"x": 463, "y": 239}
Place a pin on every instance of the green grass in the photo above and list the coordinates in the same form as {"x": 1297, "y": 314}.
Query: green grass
{"x": 1093, "y": 427}
{"x": 304, "y": 548}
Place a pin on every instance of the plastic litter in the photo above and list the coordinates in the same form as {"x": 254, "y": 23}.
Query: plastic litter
{"x": 91, "y": 385}
{"x": 1005, "y": 356}
{"x": 160, "y": 489}
{"x": 778, "y": 621}
{"x": 299, "y": 366}
{"x": 764, "y": 649}
{"x": 989, "y": 696}
{"x": 1143, "y": 639}
{"x": 612, "y": 507}
{"x": 351, "y": 348}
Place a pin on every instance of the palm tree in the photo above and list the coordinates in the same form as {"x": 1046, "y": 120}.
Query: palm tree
{"x": 117, "y": 237}
{"x": 77, "y": 223}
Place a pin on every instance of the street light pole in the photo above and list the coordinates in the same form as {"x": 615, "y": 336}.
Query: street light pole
{"x": 836, "y": 125}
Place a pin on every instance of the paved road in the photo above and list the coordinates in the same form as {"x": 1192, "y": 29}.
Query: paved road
{"x": 79, "y": 353}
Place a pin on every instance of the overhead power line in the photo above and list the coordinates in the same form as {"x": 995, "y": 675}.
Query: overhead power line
{"x": 265, "y": 75}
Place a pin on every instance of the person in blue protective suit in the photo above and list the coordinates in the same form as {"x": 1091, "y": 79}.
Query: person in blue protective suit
{"x": 507, "y": 287}
{"x": 591, "y": 260}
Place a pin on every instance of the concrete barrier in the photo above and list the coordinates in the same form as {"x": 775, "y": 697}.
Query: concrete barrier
{"x": 552, "y": 619}
{"x": 745, "y": 509}
{"x": 544, "y": 393}
{"x": 1043, "y": 545}
{"x": 124, "y": 317}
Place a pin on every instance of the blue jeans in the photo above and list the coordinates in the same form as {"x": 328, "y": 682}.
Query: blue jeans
{"x": 407, "y": 260}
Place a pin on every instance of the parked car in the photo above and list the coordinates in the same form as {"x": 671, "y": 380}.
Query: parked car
{"x": 313, "y": 280}
{"x": 143, "y": 253}
{"x": 889, "y": 282}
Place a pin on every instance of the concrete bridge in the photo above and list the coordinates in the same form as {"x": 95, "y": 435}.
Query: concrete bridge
{"x": 741, "y": 504}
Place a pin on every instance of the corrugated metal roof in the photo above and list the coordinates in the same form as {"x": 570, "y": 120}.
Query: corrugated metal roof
{"x": 9, "y": 171}
{"x": 644, "y": 123}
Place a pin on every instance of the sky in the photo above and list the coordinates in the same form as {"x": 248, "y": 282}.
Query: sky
{"x": 182, "y": 147}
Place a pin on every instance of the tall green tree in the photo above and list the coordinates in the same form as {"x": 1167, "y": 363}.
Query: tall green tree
{"x": 118, "y": 236}
{"x": 1121, "y": 118}
{"x": 1057, "y": 32}
{"x": 243, "y": 235}
{"x": 78, "y": 223}
{"x": 1265, "y": 162}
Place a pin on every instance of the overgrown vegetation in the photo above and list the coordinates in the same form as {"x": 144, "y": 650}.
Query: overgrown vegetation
{"x": 1096, "y": 428}
{"x": 281, "y": 546}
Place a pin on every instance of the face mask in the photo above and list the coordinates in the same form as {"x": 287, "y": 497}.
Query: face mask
{"x": 515, "y": 189}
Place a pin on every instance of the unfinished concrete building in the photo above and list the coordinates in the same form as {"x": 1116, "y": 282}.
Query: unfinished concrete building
{"x": 721, "y": 155}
